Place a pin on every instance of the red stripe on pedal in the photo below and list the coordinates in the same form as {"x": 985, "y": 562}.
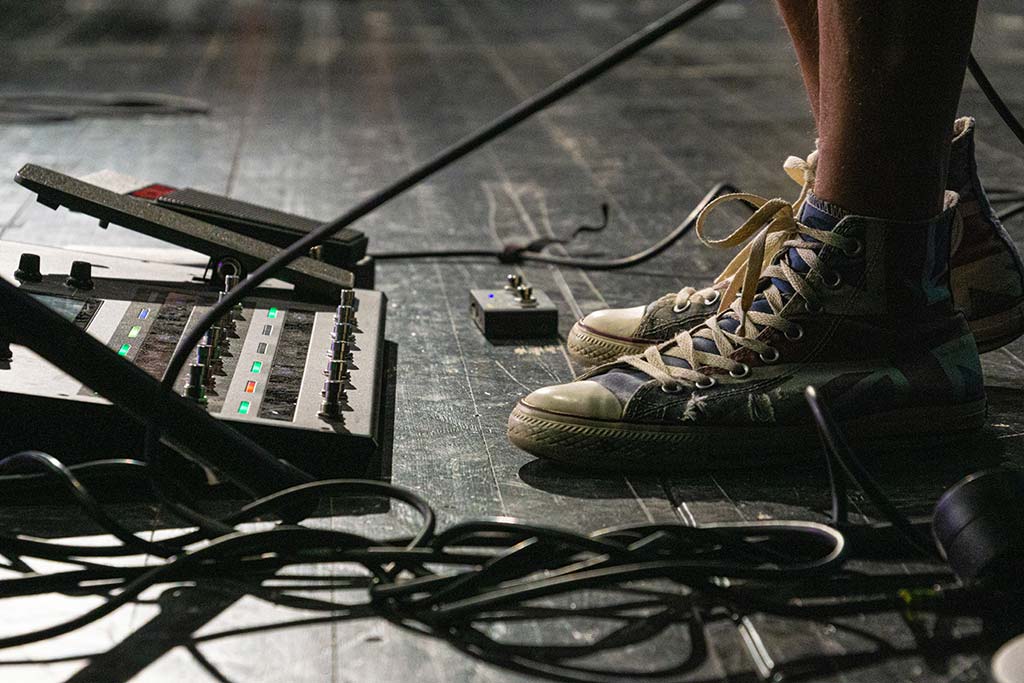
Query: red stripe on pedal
{"x": 152, "y": 191}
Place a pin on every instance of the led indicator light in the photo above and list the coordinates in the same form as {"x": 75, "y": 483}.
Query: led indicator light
{"x": 125, "y": 348}
{"x": 243, "y": 408}
{"x": 272, "y": 313}
{"x": 257, "y": 365}
{"x": 261, "y": 347}
{"x": 267, "y": 329}
{"x": 134, "y": 332}
{"x": 490, "y": 296}
{"x": 250, "y": 387}
{"x": 143, "y": 314}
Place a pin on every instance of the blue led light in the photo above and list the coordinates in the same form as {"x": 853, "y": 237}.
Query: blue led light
{"x": 490, "y": 296}
{"x": 143, "y": 314}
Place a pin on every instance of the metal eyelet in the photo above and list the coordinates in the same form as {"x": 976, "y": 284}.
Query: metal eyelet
{"x": 714, "y": 298}
{"x": 813, "y": 307}
{"x": 701, "y": 384}
{"x": 741, "y": 372}
{"x": 858, "y": 249}
{"x": 836, "y": 283}
{"x": 673, "y": 388}
{"x": 796, "y": 336}
{"x": 769, "y": 356}
{"x": 678, "y": 309}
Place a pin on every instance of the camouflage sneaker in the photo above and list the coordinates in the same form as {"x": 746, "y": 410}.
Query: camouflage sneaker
{"x": 987, "y": 275}
{"x": 859, "y": 307}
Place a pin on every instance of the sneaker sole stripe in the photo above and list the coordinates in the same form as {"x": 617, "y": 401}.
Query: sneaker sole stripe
{"x": 596, "y": 444}
{"x": 594, "y": 349}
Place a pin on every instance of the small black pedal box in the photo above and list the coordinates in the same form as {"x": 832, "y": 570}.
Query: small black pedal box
{"x": 516, "y": 311}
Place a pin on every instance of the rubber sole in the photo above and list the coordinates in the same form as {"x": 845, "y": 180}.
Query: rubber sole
{"x": 592, "y": 348}
{"x": 607, "y": 445}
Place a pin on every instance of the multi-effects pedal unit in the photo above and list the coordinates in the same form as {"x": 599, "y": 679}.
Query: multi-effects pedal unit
{"x": 302, "y": 379}
{"x": 298, "y": 371}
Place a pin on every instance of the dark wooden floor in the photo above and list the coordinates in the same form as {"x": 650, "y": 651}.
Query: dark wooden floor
{"x": 316, "y": 104}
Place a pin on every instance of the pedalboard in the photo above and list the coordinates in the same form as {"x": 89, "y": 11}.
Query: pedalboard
{"x": 516, "y": 311}
{"x": 302, "y": 378}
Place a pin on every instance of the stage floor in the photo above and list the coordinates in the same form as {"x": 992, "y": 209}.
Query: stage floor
{"x": 317, "y": 104}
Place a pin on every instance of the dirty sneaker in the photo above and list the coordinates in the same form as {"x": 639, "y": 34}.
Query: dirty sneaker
{"x": 987, "y": 276}
{"x": 859, "y": 307}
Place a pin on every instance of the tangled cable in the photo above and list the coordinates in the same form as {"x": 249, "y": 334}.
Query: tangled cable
{"x": 458, "y": 583}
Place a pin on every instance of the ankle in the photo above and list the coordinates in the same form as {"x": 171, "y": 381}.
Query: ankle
{"x": 865, "y": 182}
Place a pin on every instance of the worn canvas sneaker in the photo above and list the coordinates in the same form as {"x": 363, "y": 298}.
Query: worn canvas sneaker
{"x": 859, "y": 307}
{"x": 987, "y": 276}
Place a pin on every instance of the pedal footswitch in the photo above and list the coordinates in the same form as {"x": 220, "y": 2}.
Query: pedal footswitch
{"x": 517, "y": 311}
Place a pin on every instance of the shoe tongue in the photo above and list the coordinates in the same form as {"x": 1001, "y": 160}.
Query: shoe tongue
{"x": 816, "y": 214}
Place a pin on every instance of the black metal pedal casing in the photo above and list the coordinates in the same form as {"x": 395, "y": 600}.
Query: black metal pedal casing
{"x": 503, "y": 314}
{"x": 265, "y": 378}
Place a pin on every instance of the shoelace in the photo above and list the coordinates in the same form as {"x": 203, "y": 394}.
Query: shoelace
{"x": 773, "y": 218}
{"x": 802, "y": 172}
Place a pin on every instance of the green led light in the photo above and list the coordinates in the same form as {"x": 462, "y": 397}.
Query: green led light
{"x": 272, "y": 313}
{"x": 243, "y": 408}
{"x": 125, "y": 348}
{"x": 256, "y": 366}
{"x": 134, "y": 332}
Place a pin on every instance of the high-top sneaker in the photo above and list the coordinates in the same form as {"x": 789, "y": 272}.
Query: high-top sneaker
{"x": 859, "y": 307}
{"x": 987, "y": 275}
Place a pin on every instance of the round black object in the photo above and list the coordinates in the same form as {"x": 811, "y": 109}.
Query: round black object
{"x": 979, "y": 526}
{"x": 81, "y": 275}
{"x": 28, "y": 269}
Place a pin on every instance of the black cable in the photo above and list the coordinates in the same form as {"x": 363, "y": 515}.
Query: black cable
{"x": 44, "y": 107}
{"x": 994, "y": 98}
{"x": 837, "y": 448}
{"x": 528, "y": 254}
{"x": 85, "y": 501}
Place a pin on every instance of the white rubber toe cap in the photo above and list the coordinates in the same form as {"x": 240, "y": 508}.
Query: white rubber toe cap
{"x": 580, "y": 399}
{"x": 616, "y": 322}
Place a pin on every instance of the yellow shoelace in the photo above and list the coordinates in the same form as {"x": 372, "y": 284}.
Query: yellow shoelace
{"x": 802, "y": 172}
{"x": 773, "y": 223}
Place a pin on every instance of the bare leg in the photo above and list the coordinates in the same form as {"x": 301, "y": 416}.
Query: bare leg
{"x": 890, "y": 78}
{"x": 801, "y": 17}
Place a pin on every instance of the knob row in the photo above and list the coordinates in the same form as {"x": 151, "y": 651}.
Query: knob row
{"x": 28, "y": 270}
{"x": 208, "y": 352}
{"x": 339, "y": 355}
